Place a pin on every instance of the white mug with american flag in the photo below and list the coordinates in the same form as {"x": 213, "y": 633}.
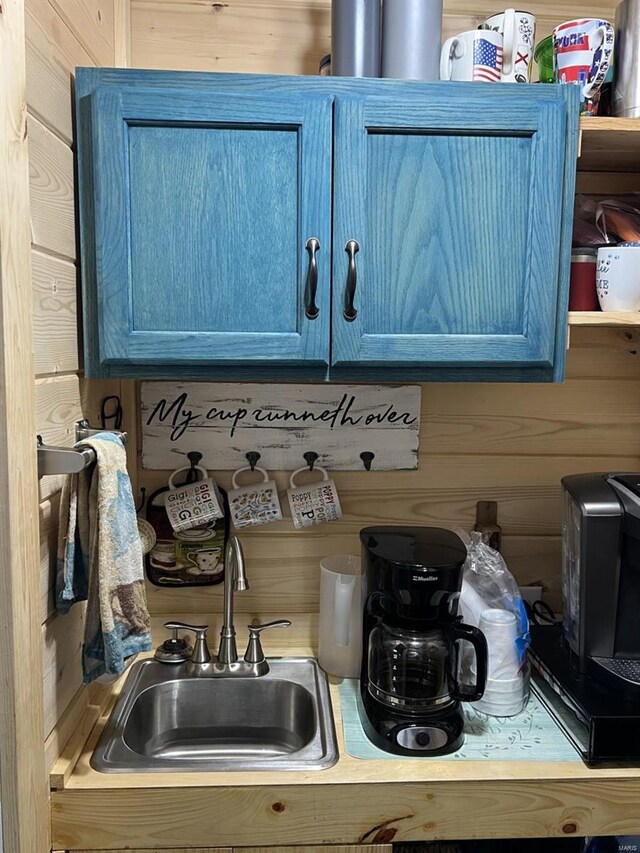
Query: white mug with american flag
{"x": 475, "y": 55}
{"x": 518, "y": 30}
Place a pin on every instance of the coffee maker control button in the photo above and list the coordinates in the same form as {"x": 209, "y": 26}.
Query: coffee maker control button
{"x": 423, "y": 738}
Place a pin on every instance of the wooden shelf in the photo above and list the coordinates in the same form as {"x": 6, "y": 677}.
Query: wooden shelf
{"x": 604, "y": 318}
{"x": 609, "y": 145}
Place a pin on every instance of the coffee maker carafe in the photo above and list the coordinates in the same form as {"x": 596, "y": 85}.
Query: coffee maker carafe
{"x": 410, "y": 696}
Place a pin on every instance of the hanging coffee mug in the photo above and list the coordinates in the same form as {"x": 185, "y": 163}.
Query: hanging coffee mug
{"x": 518, "y": 30}
{"x": 195, "y": 504}
{"x": 315, "y": 503}
{"x": 254, "y": 504}
{"x": 475, "y": 55}
{"x": 583, "y": 53}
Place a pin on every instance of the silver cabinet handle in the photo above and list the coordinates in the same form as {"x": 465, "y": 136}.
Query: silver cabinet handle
{"x": 311, "y": 310}
{"x": 350, "y": 312}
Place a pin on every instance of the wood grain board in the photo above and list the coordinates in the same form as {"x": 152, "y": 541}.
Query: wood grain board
{"x": 174, "y": 850}
{"x": 306, "y": 848}
{"x": 280, "y": 36}
{"x": 324, "y": 848}
{"x": 49, "y": 511}
{"x": 62, "y": 638}
{"x": 604, "y": 318}
{"x": 610, "y": 144}
{"x": 59, "y": 35}
{"x": 60, "y": 402}
{"x": 51, "y": 190}
{"x": 53, "y": 52}
{"x": 342, "y": 814}
{"x": 22, "y": 779}
{"x": 55, "y": 317}
{"x": 92, "y": 23}
{"x": 282, "y": 422}
{"x": 70, "y": 722}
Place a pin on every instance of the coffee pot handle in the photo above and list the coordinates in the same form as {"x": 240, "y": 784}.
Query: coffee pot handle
{"x": 472, "y": 692}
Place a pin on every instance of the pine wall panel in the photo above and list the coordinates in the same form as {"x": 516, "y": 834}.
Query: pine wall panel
{"x": 60, "y": 34}
{"x": 281, "y": 36}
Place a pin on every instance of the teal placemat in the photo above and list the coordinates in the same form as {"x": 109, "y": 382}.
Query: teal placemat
{"x": 530, "y": 736}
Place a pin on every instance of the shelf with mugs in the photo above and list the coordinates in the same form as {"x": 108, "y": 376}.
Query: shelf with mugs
{"x": 604, "y": 318}
{"x": 609, "y": 144}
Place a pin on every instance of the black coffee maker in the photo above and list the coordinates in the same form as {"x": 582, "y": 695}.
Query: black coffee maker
{"x": 409, "y": 698}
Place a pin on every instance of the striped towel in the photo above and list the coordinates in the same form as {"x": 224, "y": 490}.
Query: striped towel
{"x": 100, "y": 560}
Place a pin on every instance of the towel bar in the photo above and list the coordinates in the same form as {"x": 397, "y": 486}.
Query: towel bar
{"x": 70, "y": 460}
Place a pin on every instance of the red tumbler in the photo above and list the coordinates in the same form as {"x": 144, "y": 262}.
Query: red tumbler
{"x": 582, "y": 291}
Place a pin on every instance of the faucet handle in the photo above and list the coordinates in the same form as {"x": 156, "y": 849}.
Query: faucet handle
{"x": 254, "y": 653}
{"x": 201, "y": 653}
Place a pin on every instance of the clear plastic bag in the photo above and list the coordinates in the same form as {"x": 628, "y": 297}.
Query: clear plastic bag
{"x": 487, "y": 584}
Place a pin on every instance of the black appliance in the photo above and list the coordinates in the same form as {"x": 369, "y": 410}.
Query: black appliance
{"x": 409, "y": 698}
{"x": 592, "y": 661}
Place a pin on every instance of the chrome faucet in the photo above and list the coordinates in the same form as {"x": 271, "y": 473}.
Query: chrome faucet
{"x": 201, "y": 664}
{"x": 235, "y": 579}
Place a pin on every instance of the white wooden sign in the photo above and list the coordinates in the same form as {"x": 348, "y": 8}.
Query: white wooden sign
{"x": 281, "y": 422}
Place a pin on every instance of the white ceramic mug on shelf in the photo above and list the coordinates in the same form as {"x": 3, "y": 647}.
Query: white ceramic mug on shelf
{"x": 618, "y": 277}
{"x": 583, "y": 53}
{"x": 518, "y": 30}
{"x": 473, "y": 56}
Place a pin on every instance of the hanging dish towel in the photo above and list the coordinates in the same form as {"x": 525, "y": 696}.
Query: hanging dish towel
{"x": 100, "y": 560}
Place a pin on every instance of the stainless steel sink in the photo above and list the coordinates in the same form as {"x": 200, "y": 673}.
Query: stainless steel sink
{"x": 167, "y": 720}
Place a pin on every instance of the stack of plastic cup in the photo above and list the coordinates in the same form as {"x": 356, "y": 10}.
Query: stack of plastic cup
{"x": 505, "y": 693}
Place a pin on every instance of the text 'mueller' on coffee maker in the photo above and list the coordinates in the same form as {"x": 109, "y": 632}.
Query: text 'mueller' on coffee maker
{"x": 409, "y": 698}
{"x": 592, "y": 660}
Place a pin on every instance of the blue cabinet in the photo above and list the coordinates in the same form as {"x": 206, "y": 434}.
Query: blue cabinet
{"x": 235, "y": 226}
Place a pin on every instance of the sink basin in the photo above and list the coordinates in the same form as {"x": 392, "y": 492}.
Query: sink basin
{"x": 166, "y": 720}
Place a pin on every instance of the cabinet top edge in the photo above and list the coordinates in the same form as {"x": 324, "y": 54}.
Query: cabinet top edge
{"x": 87, "y": 78}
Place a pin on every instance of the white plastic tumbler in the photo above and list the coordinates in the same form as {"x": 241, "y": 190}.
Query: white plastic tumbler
{"x": 505, "y": 693}
{"x": 501, "y": 632}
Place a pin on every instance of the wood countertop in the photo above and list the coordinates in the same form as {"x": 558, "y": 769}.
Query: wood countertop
{"x": 355, "y": 801}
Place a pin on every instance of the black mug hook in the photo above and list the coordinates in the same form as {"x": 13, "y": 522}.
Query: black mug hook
{"x": 194, "y": 460}
{"x": 310, "y": 458}
{"x": 252, "y": 458}
{"x": 367, "y": 458}
{"x": 143, "y": 497}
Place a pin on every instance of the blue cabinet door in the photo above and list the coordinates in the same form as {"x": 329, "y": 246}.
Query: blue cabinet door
{"x": 206, "y": 206}
{"x": 448, "y": 222}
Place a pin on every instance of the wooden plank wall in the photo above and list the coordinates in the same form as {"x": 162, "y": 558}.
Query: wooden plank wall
{"x": 511, "y": 444}
{"x": 60, "y": 34}
{"x": 508, "y": 443}
{"x": 23, "y": 788}
{"x": 286, "y": 36}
